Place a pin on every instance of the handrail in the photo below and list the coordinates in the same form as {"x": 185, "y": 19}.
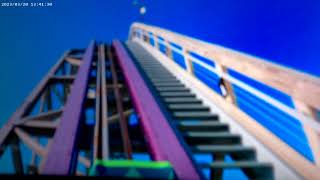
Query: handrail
{"x": 291, "y": 82}
{"x": 305, "y": 119}
{"x": 266, "y": 73}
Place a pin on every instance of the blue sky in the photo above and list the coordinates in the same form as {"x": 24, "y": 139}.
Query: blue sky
{"x": 32, "y": 39}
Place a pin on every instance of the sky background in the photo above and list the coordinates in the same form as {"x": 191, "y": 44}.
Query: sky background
{"x": 32, "y": 39}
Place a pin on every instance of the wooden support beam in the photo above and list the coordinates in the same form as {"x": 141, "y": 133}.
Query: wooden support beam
{"x": 231, "y": 97}
{"x": 17, "y": 157}
{"x": 30, "y": 142}
{"x": 104, "y": 106}
{"x": 312, "y": 136}
{"x": 218, "y": 173}
{"x": 65, "y": 140}
{"x": 49, "y": 98}
{"x": 115, "y": 117}
{"x": 122, "y": 119}
{"x": 155, "y": 40}
{"x": 74, "y": 70}
{"x": 29, "y": 102}
{"x": 44, "y": 116}
{"x": 33, "y": 165}
{"x": 112, "y": 86}
{"x": 42, "y": 103}
{"x": 41, "y": 124}
{"x": 188, "y": 62}
{"x": 168, "y": 49}
{"x": 62, "y": 79}
{"x": 146, "y": 37}
{"x": 97, "y": 142}
{"x": 74, "y": 61}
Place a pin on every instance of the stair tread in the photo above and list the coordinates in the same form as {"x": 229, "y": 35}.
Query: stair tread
{"x": 169, "y": 85}
{"x": 164, "y": 80}
{"x": 176, "y": 94}
{"x": 202, "y": 123}
{"x": 236, "y": 164}
{"x": 194, "y": 113}
{"x": 186, "y": 106}
{"x": 222, "y": 148}
{"x": 173, "y": 89}
{"x": 209, "y": 134}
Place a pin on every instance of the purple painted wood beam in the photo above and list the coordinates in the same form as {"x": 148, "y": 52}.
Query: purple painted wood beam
{"x": 161, "y": 138}
{"x": 62, "y": 155}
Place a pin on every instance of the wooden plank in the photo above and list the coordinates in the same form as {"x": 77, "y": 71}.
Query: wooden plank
{"x": 115, "y": 117}
{"x": 163, "y": 142}
{"x": 292, "y": 158}
{"x": 50, "y": 115}
{"x": 62, "y": 79}
{"x": 231, "y": 97}
{"x": 312, "y": 136}
{"x": 17, "y": 157}
{"x": 97, "y": 127}
{"x": 289, "y": 81}
{"x": 104, "y": 115}
{"x": 41, "y": 124}
{"x": 119, "y": 105}
{"x": 31, "y": 143}
{"x": 64, "y": 142}
{"x": 74, "y": 61}
{"x": 155, "y": 40}
{"x": 188, "y": 62}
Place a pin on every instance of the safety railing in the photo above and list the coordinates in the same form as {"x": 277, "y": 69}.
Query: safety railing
{"x": 283, "y": 101}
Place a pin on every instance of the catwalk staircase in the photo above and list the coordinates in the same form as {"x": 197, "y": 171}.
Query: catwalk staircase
{"x": 201, "y": 129}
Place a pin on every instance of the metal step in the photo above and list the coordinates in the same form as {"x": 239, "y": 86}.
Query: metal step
{"x": 176, "y": 94}
{"x": 160, "y": 76}
{"x": 213, "y": 138}
{"x": 253, "y": 169}
{"x": 196, "y": 115}
{"x": 237, "y": 152}
{"x": 169, "y": 85}
{"x": 214, "y": 126}
{"x": 158, "y": 80}
{"x": 186, "y": 107}
{"x": 156, "y": 69}
{"x": 173, "y": 89}
{"x": 182, "y": 100}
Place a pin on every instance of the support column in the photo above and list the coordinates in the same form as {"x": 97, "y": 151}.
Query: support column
{"x": 64, "y": 143}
